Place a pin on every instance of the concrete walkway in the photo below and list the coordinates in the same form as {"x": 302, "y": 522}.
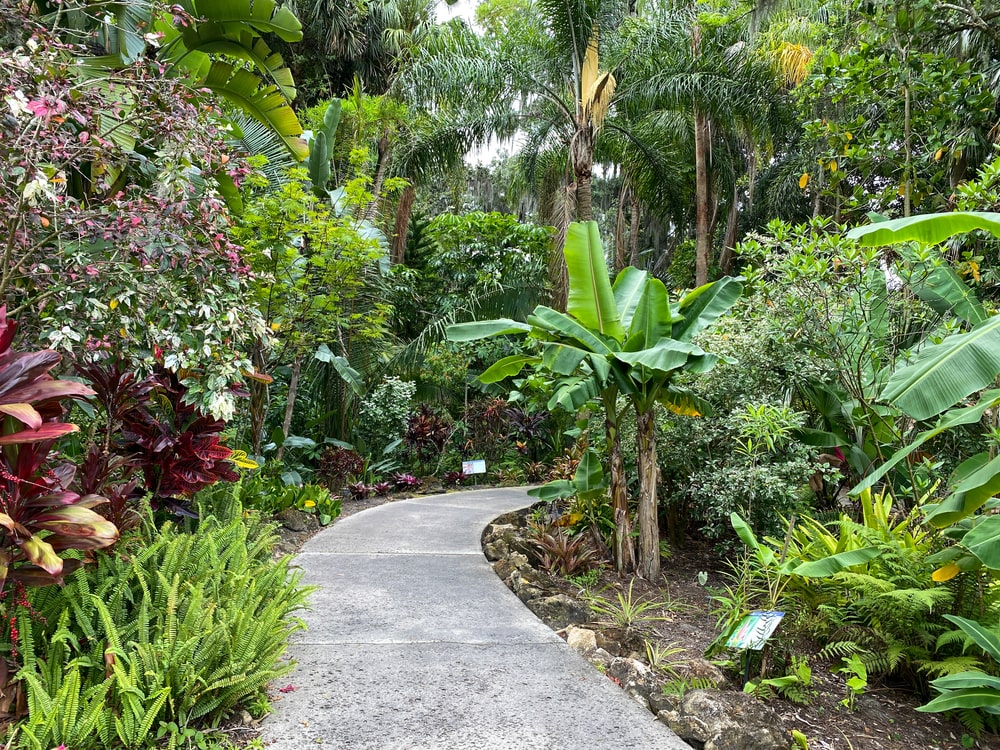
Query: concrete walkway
{"x": 415, "y": 644}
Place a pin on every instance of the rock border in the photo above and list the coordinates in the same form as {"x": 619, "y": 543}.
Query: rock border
{"x": 706, "y": 719}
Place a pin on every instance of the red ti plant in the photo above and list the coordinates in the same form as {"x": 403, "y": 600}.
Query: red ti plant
{"x": 39, "y": 516}
{"x": 177, "y": 448}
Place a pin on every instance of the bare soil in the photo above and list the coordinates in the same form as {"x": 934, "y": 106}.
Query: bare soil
{"x": 884, "y": 717}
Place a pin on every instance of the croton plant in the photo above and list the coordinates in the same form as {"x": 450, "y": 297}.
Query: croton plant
{"x": 40, "y": 517}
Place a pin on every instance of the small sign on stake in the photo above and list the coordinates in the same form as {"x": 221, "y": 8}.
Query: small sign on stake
{"x": 755, "y": 630}
{"x": 474, "y": 466}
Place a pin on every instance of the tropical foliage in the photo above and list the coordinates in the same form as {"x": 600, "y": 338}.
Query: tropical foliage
{"x": 723, "y": 274}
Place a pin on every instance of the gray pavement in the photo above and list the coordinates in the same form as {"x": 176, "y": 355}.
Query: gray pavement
{"x": 413, "y": 643}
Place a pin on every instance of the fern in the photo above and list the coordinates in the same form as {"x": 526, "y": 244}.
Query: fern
{"x": 188, "y": 628}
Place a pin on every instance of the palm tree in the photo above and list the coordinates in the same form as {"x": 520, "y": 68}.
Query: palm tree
{"x": 724, "y": 91}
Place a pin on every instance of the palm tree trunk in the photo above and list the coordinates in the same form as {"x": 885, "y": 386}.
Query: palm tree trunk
{"x": 649, "y": 527}
{"x": 582, "y": 154}
{"x": 258, "y": 400}
{"x": 384, "y": 152}
{"x": 624, "y": 552}
{"x": 403, "y": 212}
{"x": 703, "y": 233}
{"x": 732, "y": 229}
{"x": 633, "y": 238}
{"x": 620, "y": 245}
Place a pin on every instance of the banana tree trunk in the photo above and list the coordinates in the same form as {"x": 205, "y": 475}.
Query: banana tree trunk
{"x": 649, "y": 527}
{"x": 624, "y": 551}
{"x": 703, "y": 218}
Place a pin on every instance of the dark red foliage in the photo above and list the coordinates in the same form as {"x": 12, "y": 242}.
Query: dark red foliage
{"x": 405, "y": 481}
{"x": 152, "y": 432}
{"x": 359, "y": 490}
{"x": 453, "y": 478}
{"x": 177, "y": 448}
{"x": 426, "y": 434}
{"x": 39, "y": 515}
{"x": 338, "y": 465}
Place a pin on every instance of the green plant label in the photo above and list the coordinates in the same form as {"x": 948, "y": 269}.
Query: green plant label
{"x": 755, "y": 629}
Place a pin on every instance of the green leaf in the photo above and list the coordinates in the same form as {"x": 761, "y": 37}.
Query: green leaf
{"x": 628, "y": 289}
{"x": 962, "y": 680}
{"x": 651, "y": 321}
{"x": 506, "y": 367}
{"x": 986, "y": 640}
{"x": 701, "y": 307}
{"x": 976, "y": 480}
{"x": 952, "y": 418}
{"x": 591, "y": 299}
{"x": 828, "y": 566}
{"x": 554, "y": 490}
{"x": 560, "y": 324}
{"x": 331, "y": 119}
{"x": 212, "y": 38}
{"x": 561, "y": 358}
{"x": 929, "y": 229}
{"x": 351, "y": 376}
{"x": 589, "y": 479}
{"x": 571, "y": 394}
{"x": 263, "y": 15}
{"x": 970, "y": 698}
{"x": 943, "y": 289}
{"x": 262, "y": 101}
{"x": 943, "y": 374}
{"x": 665, "y": 356}
{"x": 481, "y": 329}
{"x": 319, "y": 163}
{"x": 746, "y": 535}
{"x": 983, "y": 541}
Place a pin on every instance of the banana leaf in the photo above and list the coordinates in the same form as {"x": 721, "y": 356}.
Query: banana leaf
{"x": 259, "y": 99}
{"x": 591, "y": 299}
{"x": 943, "y": 374}
{"x": 701, "y": 307}
{"x": 929, "y": 229}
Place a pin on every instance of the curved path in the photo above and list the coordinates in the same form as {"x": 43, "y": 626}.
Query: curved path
{"x": 415, "y": 644}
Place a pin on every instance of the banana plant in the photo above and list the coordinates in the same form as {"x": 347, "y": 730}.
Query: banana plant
{"x": 938, "y": 383}
{"x": 626, "y": 340}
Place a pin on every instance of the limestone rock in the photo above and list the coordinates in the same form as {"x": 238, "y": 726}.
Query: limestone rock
{"x": 601, "y": 658}
{"x": 660, "y": 701}
{"x": 560, "y": 611}
{"x": 496, "y": 549}
{"x": 620, "y": 642}
{"x": 701, "y": 671}
{"x": 503, "y": 568}
{"x": 634, "y": 676}
{"x": 293, "y": 520}
{"x": 581, "y": 640}
{"x": 726, "y": 720}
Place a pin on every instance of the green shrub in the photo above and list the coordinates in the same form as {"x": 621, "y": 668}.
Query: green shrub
{"x": 182, "y": 629}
